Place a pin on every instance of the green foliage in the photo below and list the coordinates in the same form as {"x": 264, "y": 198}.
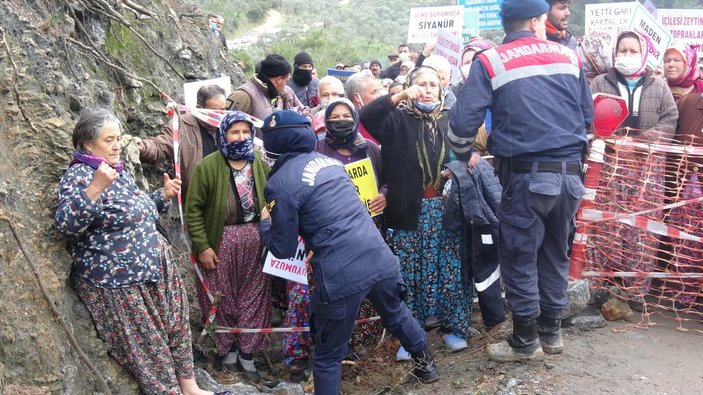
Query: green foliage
{"x": 244, "y": 59}
{"x": 349, "y": 31}
{"x": 327, "y": 50}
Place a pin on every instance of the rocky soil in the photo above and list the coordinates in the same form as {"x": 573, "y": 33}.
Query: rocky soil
{"x": 68, "y": 56}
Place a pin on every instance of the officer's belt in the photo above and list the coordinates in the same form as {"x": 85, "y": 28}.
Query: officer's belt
{"x": 572, "y": 168}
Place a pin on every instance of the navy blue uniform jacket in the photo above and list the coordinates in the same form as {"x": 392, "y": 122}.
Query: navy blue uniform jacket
{"x": 539, "y": 98}
{"x": 311, "y": 195}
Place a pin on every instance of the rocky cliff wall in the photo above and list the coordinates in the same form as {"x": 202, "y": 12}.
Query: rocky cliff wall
{"x": 69, "y": 56}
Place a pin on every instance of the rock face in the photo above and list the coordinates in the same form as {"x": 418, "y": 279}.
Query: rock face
{"x": 72, "y": 55}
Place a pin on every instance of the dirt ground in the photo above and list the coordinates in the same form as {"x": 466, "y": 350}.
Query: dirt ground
{"x": 620, "y": 358}
{"x": 650, "y": 356}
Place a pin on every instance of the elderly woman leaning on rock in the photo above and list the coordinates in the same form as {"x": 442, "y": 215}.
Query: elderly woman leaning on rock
{"x": 122, "y": 267}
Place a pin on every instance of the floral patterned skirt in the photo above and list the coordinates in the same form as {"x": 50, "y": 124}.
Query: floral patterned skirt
{"x": 145, "y": 327}
{"x": 245, "y": 288}
{"x": 430, "y": 263}
{"x": 687, "y": 255}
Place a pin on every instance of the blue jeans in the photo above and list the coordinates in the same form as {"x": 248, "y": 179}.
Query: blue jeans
{"x": 332, "y": 324}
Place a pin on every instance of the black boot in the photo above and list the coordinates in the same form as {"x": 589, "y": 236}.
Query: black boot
{"x": 522, "y": 344}
{"x": 549, "y": 330}
{"x": 425, "y": 369}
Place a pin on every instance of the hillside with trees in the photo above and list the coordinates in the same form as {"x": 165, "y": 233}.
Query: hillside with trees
{"x": 349, "y": 31}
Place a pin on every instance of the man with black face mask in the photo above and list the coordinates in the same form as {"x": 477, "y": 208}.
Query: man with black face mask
{"x": 302, "y": 83}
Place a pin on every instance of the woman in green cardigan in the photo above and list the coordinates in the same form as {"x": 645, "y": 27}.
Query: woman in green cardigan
{"x": 225, "y": 197}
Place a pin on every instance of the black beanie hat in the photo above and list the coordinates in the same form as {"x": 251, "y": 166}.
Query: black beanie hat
{"x": 275, "y": 66}
{"x": 302, "y": 58}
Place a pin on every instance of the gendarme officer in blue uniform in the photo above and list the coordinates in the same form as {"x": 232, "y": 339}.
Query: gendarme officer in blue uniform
{"x": 311, "y": 195}
{"x": 542, "y": 108}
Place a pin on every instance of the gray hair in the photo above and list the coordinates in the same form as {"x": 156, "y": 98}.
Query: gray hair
{"x": 439, "y": 63}
{"x": 355, "y": 82}
{"x": 88, "y": 127}
{"x": 330, "y": 80}
{"x": 207, "y": 92}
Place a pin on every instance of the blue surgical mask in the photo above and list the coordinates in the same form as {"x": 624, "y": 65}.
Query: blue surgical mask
{"x": 427, "y": 108}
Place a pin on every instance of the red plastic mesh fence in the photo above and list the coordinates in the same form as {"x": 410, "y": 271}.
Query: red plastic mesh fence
{"x": 640, "y": 226}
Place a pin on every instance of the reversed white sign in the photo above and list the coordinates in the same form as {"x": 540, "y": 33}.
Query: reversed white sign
{"x": 450, "y": 46}
{"x": 293, "y": 269}
{"x": 190, "y": 89}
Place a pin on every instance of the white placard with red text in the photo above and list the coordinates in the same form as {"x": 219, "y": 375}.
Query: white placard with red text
{"x": 450, "y": 47}
{"x": 685, "y": 26}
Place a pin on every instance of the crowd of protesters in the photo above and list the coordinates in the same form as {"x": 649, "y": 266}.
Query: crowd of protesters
{"x": 450, "y": 225}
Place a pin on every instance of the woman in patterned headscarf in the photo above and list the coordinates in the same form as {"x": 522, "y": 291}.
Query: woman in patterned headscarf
{"x": 225, "y": 198}
{"x": 415, "y": 144}
{"x": 596, "y": 53}
{"x": 685, "y": 173}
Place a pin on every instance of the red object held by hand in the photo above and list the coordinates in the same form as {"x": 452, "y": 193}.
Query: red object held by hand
{"x": 609, "y": 112}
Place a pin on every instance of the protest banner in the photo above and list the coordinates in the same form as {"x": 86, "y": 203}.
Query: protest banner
{"x": 293, "y": 268}
{"x": 450, "y": 47}
{"x": 685, "y": 26}
{"x": 424, "y": 22}
{"x": 612, "y": 18}
{"x": 343, "y": 75}
{"x": 488, "y": 12}
{"x": 362, "y": 176}
{"x": 190, "y": 89}
{"x": 658, "y": 36}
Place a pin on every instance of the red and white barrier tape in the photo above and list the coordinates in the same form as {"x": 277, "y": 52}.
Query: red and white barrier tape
{"x": 596, "y": 274}
{"x": 638, "y": 220}
{"x": 221, "y": 329}
{"x": 658, "y": 147}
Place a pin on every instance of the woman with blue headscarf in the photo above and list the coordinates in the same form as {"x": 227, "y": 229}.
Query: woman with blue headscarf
{"x": 225, "y": 198}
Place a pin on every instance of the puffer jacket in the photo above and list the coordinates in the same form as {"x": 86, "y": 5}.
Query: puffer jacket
{"x": 474, "y": 198}
{"x": 472, "y": 205}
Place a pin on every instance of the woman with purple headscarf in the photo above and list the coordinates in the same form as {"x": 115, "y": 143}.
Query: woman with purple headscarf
{"x": 123, "y": 270}
{"x": 225, "y": 198}
{"x": 685, "y": 175}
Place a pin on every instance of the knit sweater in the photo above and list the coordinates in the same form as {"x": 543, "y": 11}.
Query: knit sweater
{"x": 206, "y": 203}
{"x": 657, "y": 112}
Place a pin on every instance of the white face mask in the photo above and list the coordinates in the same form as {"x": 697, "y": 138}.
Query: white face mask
{"x": 403, "y": 56}
{"x": 465, "y": 71}
{"x": 627, "y": 65}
